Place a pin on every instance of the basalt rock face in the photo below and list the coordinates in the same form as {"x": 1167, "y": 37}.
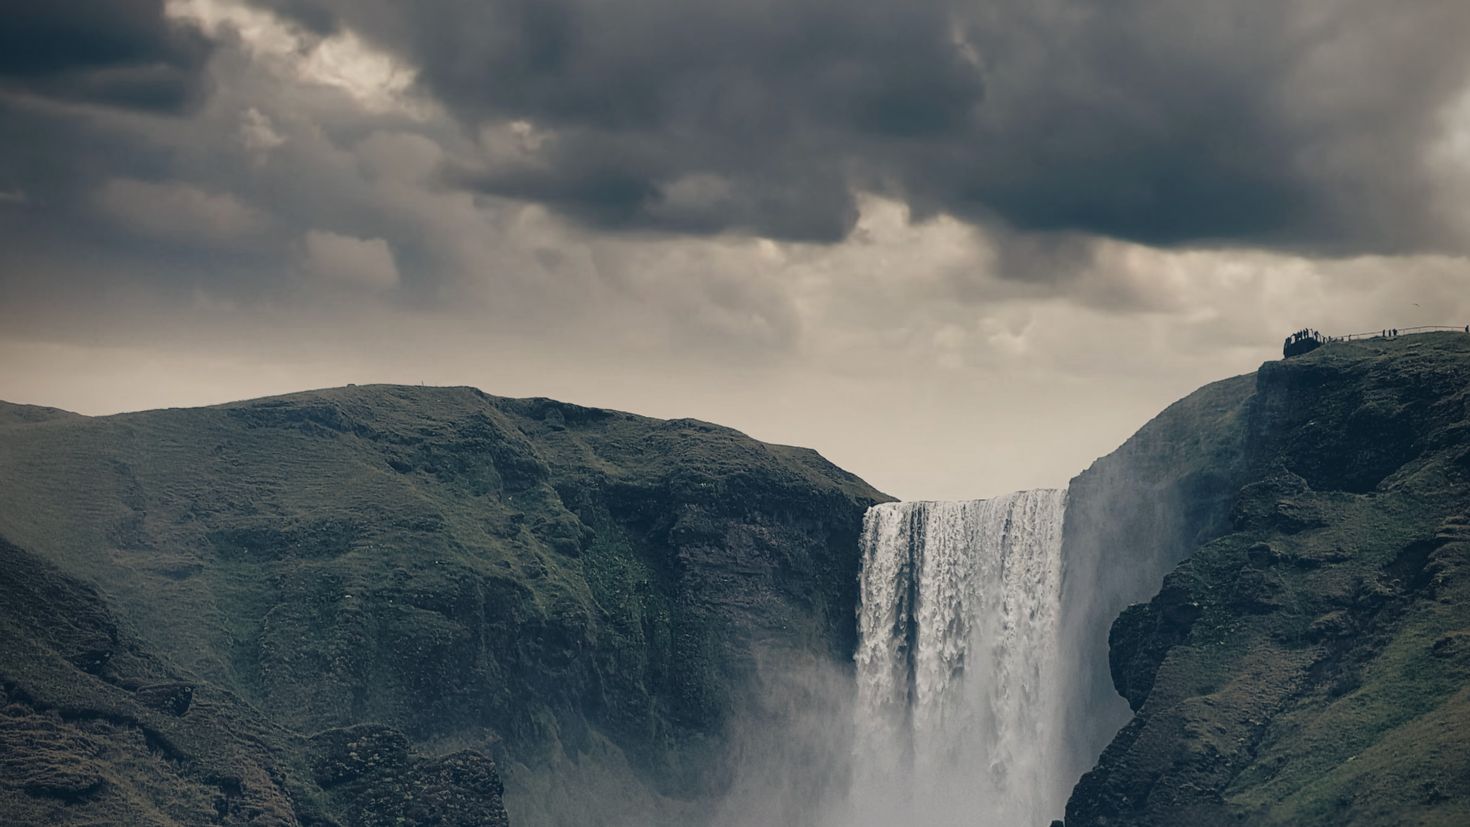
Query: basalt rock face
{"x": 1306, "y": 664}
{"x": 557, "y": 587}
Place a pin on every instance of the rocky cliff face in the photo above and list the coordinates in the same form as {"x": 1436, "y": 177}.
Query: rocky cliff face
{"x": 439, "y": 577}
{"x": 1306, "y": 665}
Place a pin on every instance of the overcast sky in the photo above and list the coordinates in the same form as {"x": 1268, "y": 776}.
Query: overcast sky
{"x": 958, "y": 247}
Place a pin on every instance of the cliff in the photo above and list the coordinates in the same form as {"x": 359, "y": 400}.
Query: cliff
{"x": 1307, "y": 662}
{"x": 368, "y": 605}
{"x": 441, "y": 578}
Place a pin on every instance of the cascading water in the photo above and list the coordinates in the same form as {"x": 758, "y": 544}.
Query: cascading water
{"x": 956, "y": 663}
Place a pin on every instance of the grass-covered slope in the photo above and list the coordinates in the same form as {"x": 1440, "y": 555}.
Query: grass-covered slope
{"x": 95, "y": 729}
{"x": 529, "y": 578}
{"x": 1309, "y": 664}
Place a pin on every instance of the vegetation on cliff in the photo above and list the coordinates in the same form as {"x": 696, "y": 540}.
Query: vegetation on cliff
{"x": 360, "y": 606}
{"x": 1308, "y": 663}
{"x": 526, "y": 579}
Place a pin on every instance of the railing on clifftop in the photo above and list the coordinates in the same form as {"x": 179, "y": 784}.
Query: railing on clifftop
{"x": 1308, "y": 340}
{"x": 1379, "y": 334}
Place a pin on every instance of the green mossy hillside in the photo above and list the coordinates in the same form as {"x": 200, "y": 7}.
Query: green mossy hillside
{"x": 1308, "y": 664}
{"x": 527, "y": 578}
{"x": 97, "y": 729}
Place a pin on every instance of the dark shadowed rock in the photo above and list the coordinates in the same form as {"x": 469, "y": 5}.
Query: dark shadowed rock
{"x": 173, "y": 698}
{"x": 379, "y": 781}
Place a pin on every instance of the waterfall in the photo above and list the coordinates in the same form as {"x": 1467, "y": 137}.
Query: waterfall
{"x": 956, "y": 663}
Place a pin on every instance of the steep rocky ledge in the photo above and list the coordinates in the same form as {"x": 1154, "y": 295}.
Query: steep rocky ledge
{"x": 1309, "y": 662}
{"x": 437, "y": 578}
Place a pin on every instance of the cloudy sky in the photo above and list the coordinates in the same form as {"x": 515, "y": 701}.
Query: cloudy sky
{"x": 958, "y": 247}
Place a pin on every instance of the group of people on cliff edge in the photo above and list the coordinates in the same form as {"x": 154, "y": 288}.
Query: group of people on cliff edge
{"x": 1307, "y": 339}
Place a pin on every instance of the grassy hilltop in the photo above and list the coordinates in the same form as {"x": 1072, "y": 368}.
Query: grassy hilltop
{"x": 529, "y": 579}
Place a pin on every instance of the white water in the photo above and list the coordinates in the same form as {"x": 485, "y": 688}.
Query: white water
{"x": 956, "y": 664}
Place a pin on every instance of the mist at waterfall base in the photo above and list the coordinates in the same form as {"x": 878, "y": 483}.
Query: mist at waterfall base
{"x": 951, "y": 713}
{"x": 979, "y": 691}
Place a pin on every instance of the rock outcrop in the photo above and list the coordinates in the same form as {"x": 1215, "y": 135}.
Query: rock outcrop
{"x": 380, "y": 782}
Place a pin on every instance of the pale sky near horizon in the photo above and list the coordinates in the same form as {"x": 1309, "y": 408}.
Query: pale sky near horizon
{"x": 958, "y": 248}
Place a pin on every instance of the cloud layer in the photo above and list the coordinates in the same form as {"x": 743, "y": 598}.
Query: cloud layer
{"x": 1302, "y": 124}
{"x": 959, "y": 247}
{"x": 120, "y": 53}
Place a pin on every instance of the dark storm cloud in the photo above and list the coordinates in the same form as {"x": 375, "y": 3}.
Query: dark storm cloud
{"x": 1302, "y": 124}
{"x": 691, "y": 117}
{"x": 122, "y": 53}
{"x": 627, "y": 182}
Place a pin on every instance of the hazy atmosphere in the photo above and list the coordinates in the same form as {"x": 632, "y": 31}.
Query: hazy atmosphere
{"x": 959, "y": 248}
{"x": 735, "y": 413}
